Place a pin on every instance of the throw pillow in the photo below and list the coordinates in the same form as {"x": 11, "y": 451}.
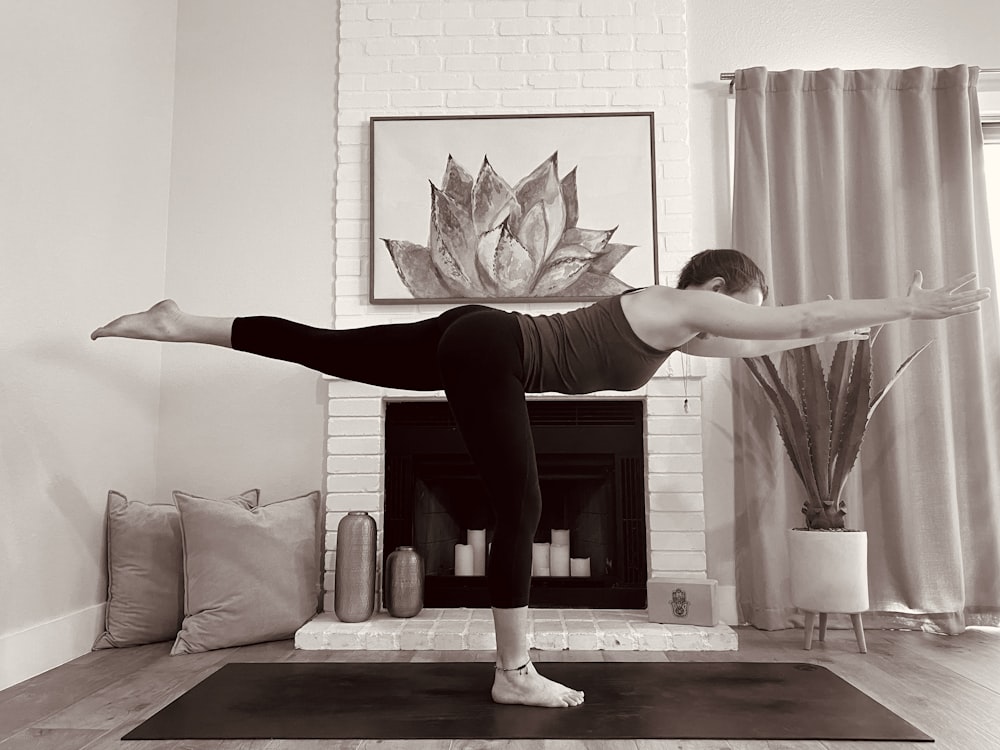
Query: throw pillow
{"x": 250, "y": 575}
{"x": 145, "y": 570}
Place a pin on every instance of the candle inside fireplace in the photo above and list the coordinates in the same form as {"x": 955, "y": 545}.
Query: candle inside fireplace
{"x": 464, "y": 565}
{"x": 580, "y": 567}
{"x": 540, "y": 559}
{"x": 477, "y": 540}
{"x": 559, "y": 559}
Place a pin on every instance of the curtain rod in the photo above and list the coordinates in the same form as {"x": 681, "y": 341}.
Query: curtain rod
{"x": 731, "y": 76}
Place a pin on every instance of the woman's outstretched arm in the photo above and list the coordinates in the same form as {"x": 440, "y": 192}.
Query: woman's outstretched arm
{"x": 687, "y": 313}
{"x": 717, "y": 347}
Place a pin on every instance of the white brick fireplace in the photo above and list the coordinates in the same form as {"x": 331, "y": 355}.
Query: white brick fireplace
{"x": 675, "y": 518}
{"x": 430, "y": 57}
{"x": 675, "y": 529}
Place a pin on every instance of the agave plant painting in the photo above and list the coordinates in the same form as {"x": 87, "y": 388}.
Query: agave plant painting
{"x": 822, "y": 418}
{"x": 491, "y": 237}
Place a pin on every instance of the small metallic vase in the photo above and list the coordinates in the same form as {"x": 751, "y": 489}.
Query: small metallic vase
{"x": 354, "y": 581}
{"x": 404, "y": 588}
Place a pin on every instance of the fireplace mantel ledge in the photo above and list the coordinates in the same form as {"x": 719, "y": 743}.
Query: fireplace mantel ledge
{"x": 677, "y": 367}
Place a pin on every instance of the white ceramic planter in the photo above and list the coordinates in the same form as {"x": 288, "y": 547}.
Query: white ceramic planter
{"x": 829, "y": 570}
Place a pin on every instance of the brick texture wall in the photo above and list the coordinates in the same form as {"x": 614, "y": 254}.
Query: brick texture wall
{"x": 428, "y": 57}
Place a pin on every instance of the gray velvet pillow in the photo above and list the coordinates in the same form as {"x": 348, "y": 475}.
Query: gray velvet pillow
{"x": 145, "y": 570}
{"x": 249, "y": 575}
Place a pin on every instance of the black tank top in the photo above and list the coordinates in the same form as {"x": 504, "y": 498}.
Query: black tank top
{"x": 589, "y": 349}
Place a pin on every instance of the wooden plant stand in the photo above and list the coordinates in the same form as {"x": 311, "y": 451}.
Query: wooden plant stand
{"x": 859, "y": 631}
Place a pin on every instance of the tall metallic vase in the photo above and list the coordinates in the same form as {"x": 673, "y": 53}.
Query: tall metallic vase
{"x": 404, "y": 585}
{"x": 354, "y": 582}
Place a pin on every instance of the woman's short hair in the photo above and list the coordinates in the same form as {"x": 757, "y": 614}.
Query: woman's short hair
{"x": 736, "y": 269}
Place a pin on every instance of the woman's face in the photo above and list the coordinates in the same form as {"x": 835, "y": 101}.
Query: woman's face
{"x": 752, "y": 296}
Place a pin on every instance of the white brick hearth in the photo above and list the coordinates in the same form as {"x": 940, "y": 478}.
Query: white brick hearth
{"x": 549, "y": 630}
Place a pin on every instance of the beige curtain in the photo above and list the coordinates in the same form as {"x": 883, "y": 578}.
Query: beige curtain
{"x": 846, "y": 182}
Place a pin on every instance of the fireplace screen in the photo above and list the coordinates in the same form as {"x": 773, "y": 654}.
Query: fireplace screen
{"x": 590, "y": 546}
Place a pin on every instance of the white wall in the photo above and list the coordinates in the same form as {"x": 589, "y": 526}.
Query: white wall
{"x": 251, "y": 206}
{"x": 86, "y": 92}
{"x": 86, "y": 185}
{"x": 781, "y": 34}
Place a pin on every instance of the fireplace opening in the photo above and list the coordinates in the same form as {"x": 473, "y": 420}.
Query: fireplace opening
{"x": 591, "y": 472}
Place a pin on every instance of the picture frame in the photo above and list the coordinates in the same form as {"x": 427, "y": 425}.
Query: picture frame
{"x": 511, "y": 208}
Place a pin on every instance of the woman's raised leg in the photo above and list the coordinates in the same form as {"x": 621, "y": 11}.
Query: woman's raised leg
{"x": 400, "y": 355}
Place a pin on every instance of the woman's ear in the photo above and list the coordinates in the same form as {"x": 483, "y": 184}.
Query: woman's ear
{"x": 717, "y": 284}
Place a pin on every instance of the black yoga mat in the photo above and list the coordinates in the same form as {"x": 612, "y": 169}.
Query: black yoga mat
{"x": 628, "y": 700}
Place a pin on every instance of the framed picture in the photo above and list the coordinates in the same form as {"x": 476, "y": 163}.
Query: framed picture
{"x": 511, "y": 207}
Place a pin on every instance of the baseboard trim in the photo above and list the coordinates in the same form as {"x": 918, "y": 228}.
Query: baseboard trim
{"x": 42, "y": 647}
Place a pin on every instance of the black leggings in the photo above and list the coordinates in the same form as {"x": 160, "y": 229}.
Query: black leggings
{"x": 474, "y": 354}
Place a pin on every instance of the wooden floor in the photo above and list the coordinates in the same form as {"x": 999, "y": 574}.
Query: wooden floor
{"x": 949, "y": 687}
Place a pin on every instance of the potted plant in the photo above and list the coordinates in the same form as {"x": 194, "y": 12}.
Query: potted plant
{"x": 822, "y": 417}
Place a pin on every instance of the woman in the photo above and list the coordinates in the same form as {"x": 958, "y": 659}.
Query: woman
{"x": 487, "y": 359}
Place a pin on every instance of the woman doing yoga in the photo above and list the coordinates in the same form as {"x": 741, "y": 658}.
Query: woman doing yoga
{"x": 486, "y": 360}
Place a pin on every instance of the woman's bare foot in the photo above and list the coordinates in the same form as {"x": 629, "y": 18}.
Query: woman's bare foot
{"x": 529, "y": 688}
{"x": 161, "y": 322}
{"x": 165, "y": 321}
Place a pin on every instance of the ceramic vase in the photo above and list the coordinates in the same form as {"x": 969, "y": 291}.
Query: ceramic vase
{"x": 404, "y": 582}
{"x": 354, "y": 581}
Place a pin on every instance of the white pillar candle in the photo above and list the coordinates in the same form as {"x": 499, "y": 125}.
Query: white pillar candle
{"x": 560, "y": 536}
{"x": 477, "y": 540}
{"x": 463, "y": 560}
{"x": 540, "y": 559}
{"x": 580, "y": 566}
{"x": 559, "y": 559}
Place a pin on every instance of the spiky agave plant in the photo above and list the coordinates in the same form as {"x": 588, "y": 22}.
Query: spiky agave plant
{"x": 822, "y": 418}
{"x": 490, "y": 240}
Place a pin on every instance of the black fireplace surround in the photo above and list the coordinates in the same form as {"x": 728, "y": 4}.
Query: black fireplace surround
{"x": 591, "y": 462}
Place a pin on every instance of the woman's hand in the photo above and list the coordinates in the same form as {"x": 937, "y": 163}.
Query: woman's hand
{"x": 934, "y": 304}
{"x": 858, "y": 334}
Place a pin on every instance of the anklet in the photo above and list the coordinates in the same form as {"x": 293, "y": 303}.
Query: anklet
{"x": 523, "y": 669}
